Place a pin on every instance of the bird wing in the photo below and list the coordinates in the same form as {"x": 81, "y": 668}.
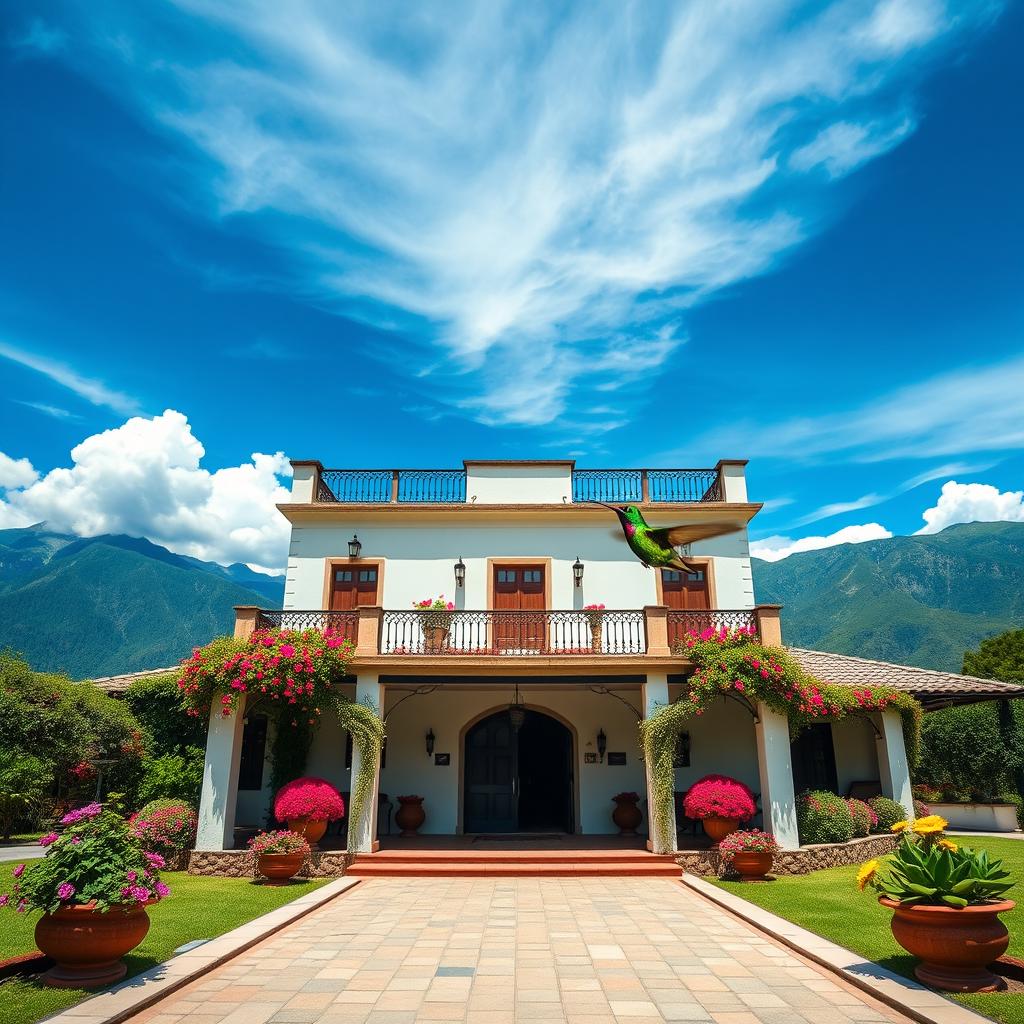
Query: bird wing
{"x": 674, "y": 536}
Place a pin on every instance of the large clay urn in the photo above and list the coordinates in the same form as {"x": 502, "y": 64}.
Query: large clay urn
{"x": 752, "y": 865}
{"x": 311, "y": 831}
{"x": 627, "y": 815}
{"x": 277, "y": 868}
{"x": 717, "y": 828}
{"x": 955, "y": 945}
{"x": 410, "y": 815}
{"x": 88, "y": 945}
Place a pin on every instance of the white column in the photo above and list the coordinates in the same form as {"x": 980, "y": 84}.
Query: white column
{"x": 773, "y": 761}
{"x": 655, "y": 695}
{"x": 893, "y": 766}
{"x": 220, "y": 779}
{"x": 368, "y": 689}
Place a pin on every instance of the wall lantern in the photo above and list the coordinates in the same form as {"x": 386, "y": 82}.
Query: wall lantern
{"x": 354, "y": 547}
{"x": 430, "y": 742}
{"x": 460, "y": 572}
{"x": 602, "y": 744}
{"x": 577, "y": 571}
{"x": 516, "y": 712}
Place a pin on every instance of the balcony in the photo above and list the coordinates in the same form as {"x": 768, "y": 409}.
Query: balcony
{"x": 654, "y": 631}
{"x": 449, "y": 486}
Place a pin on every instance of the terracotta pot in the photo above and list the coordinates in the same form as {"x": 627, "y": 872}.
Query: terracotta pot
{"x": 88, "y": 945}
{"x": 717, "y": 828}
{"x": 410, "y": 816}
{"x": 955, "y": 946}
{"x": 436, "y": 637}
{"x": 752, "y": 865}
{"x": 312, "y": 831}
{"x": 279, "y": 867}
{"x": 596, "y": 630}
{"x": 627, "y": 816}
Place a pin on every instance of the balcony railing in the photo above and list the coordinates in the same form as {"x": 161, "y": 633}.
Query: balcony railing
{"x": 341, "y": 623}
{"x": 448, "y": 486}
{"x": 513, "y": 633}
{"x": 682, "y": 624}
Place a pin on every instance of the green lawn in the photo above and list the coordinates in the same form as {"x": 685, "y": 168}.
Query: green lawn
{"x": 198, "y": 908}
{"x": 828, "y": 903}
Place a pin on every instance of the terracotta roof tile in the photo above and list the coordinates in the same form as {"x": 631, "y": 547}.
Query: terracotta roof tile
{"x": 118, "y": 684}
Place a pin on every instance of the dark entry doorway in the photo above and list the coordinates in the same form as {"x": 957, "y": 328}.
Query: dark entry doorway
{"x": 518, "y": 781}
{"x": 814, "y": 759}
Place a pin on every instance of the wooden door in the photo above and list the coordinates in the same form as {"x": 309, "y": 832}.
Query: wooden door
{"x": 491, "y": 776}
{"x": 519, "y": 592}
{"x": 684, "y": 591}
{"x": 352, "y": 586}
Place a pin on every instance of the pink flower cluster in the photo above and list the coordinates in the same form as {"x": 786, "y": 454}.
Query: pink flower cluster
{"x": 750, "y": 841}
{"x": 870, "y": 701}
{"x": 92, "y": 810}
{"x": 719, "y": 796}
{"x": 593, "y": 607}
{"x": 166, "y": 828}
{"x": 434, "y": 604}
{"x": 308, "y": 797}
{"x": 286, "y": 665}
{"x": 280, "y": 842}
{"x": 719, "y": 635}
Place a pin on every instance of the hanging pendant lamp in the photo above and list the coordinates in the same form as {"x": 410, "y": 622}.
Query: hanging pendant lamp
{"x": 516, "y": 712}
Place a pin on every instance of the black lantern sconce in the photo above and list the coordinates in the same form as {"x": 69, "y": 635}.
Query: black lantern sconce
{"x": 430, "y": 742}
{"x": 460, "y": 572}
{"x": 354, "y": 547}
{"x": 577, "y": 572}
{"x": 602, "y": 744}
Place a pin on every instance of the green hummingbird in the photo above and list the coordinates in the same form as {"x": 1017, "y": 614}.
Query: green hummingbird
{"x": 656, "y": 545}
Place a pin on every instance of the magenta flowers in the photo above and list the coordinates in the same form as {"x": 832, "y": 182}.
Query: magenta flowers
{"x": 719, "y": 796}
{"x": 312, "y": 798}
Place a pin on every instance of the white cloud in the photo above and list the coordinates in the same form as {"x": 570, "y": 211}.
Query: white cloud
{"x": 973, "y": 503}
{"x": 144, "y": 478}
{"x": 837, "y": 508}
{"x": 15, "y": 472}
{"x": 40, "y": 37}
{"x": 771, "y": 549}
{"x": 94, "y": 391}
{"x": 519, "y": 182}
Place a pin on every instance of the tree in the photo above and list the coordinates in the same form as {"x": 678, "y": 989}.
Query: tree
{"x": 999, "y": 657}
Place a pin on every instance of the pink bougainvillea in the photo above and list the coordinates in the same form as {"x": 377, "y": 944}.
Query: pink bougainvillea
{"x": 308, "y": 797}
{"x": 751, "y": 841}
{"x": 719, "y": 796}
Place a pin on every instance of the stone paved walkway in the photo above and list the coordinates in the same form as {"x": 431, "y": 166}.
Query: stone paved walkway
{"x": 504, "y": 950}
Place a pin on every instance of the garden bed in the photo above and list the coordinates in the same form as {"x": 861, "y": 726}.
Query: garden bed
{"x": 797, "y": 862}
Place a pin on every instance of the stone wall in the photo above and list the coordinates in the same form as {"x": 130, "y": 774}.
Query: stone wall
{"x": 797, "y": 862}
{"x": 242, "y": 864}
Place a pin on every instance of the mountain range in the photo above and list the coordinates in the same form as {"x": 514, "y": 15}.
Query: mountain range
{"x": 920, "y": 600}
{"x": 106, "y": 605}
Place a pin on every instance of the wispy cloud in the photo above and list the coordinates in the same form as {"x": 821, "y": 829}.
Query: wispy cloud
{"x": 54, "y": 411}
{"x": 39, "y": 37}
{"x": 92, "y": 390}
{"x": 518, "y": 184}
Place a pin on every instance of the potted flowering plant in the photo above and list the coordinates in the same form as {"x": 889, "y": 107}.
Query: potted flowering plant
{"x": 595, "y": 616}
{"x": 279, "y": 855}
{"x": 721, "y": 803}
{"x": 945, "y": 900}
{"x": 750, "y": 852}
{"x": 307, "y": 804}
{"x": 436, "y": 622}
{"x": 92, "y": 887}
{"x": 410, "y": 815}
{"x": 627, "y": 815}
{"x": 168, "y": 827}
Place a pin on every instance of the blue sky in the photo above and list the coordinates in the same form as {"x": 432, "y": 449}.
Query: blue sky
{"x": 637, "y": 234}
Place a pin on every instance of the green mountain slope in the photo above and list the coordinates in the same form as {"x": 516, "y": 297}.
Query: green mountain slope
{"x": 916, "y": 600}
{"x": 105, "y": 605}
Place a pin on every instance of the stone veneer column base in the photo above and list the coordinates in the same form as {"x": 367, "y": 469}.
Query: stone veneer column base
{"x": 797, "y": 862}
{"x": 242, "y": 864}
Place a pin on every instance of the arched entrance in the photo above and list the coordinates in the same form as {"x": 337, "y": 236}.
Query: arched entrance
{"x": 518, "y": 781}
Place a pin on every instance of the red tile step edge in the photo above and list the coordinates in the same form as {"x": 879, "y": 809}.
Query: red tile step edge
{"x": 472, "y": 864}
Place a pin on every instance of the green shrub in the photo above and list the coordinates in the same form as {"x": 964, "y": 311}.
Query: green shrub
{"x": 173, "y": 776}
{"x": 863, "y": 818}
{"x": 24, "y": 783}
{"x": 888, "y": 811}
{"x": 823, "y": 817}
{"x": 165, "y": 826}
{"x": 156, "y": 702}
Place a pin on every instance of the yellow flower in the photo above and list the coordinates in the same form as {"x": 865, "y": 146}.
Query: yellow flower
{"x": 948, "y": 844}
{"x": 899, "y": 826}
{"x": 866, "y": 873}
{"x": 929, "y": 826}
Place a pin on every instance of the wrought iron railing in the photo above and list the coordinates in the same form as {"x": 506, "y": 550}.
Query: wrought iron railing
{"x": 513, "y": 633}
{"x": 693, "y": 622}
{"x": 340, "y": 623}
{"x": 383, "y": 486}
{"x": 646, "y": 485}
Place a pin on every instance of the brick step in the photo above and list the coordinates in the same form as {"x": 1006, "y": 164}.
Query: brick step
{"x": 514, "y": 857}
{"x": 372, "y": 867}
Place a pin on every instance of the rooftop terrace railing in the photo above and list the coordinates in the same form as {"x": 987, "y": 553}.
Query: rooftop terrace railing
{"x": 448, "y": 486}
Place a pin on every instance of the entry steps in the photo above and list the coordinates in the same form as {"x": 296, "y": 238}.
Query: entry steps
{"x": 484, "y": 863}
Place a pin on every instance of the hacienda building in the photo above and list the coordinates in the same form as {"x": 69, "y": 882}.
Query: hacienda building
{"x": 517, "y": 712}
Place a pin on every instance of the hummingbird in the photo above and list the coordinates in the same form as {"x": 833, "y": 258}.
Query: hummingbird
{"x": 656, "y": 545}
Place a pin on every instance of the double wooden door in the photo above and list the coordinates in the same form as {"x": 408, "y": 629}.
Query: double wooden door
{"x": 683, "y": 591}
{"x": 352, "y": 586}
{"x": 520, "y": 623}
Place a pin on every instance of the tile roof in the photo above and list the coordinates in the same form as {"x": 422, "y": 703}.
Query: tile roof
{"x": 932, "y": 687}
{"x": 118, "y": 684}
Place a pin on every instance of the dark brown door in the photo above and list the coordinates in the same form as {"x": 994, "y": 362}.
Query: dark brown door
{"x": 352, "y": 586}
{"x": 491, "y": 776}
{"x": 684, "y": 591}
{"x": 519, "y": 602}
